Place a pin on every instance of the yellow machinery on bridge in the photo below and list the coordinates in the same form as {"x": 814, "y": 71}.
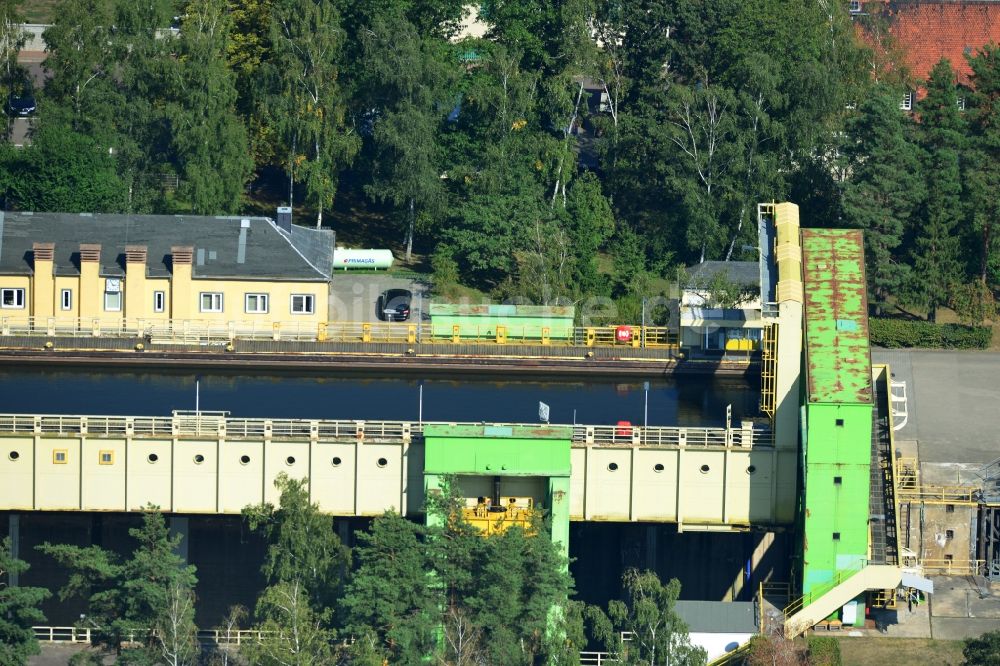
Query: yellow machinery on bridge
{"x": 490, "y": 518}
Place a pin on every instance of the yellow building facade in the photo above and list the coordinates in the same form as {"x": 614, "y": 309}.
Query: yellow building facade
{"x": 241, "y": 271}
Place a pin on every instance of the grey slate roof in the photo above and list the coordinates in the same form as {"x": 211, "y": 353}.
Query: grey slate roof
{"x": 268, "y": 255}
{"x": 740, "y": 272}
{"x": 714, "y": 617}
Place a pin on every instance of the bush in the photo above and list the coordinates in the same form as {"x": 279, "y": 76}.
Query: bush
{"x": 824, "y": 651}
{"x": 896, "y": 333}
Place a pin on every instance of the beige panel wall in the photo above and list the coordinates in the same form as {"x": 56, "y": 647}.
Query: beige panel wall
{"x": 379, "y": 479}
{"x": 291, "y": 458}
{"x": 17, "y": 461}
{"x": 762, "y": 485}
{"x": 195, "y": 480}
{"x": 608, "y": 484}
{"x": 332, "y": 470}
{"x": 103, "y": 480}
{"x": 91, "y": 291}
{"x": 149, "y": 474}
{"x": 701, "y": 492}
{"x": 73, "y": 284}
{"x": 57, "y": 484}
{"x": 577, "y": 482}
{"x": 786, "y": 486}
{"x": 654, "y": 491}
{"x": 241, "y": 474}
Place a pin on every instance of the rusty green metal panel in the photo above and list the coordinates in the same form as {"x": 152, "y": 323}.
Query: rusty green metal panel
{"x": 838, "y": 356}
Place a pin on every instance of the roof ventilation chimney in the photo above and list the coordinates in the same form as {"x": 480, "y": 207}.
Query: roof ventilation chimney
{"x": 241, "y": 249}
{"x": 285, "y": 218}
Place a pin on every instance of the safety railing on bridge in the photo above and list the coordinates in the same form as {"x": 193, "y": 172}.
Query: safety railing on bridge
{"x": 931, "y": 494}
{"x": 219, "y": 425}
{"x": 952, "y": 567}
{"x": 218, "y": 333}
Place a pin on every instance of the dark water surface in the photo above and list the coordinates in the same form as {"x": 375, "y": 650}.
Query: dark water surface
{"x": 688, "y": 401}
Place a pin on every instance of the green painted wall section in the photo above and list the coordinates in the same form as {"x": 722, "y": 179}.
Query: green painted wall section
{"x": 504, "y": 451}
{"x": 837, "y": 479}
{"x": 486, "y": 455}
{"x": 838, "y": 359}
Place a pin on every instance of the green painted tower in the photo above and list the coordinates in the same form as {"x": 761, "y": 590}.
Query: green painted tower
{"x": 497, "y": 464}
{"x": 837, "y": 408}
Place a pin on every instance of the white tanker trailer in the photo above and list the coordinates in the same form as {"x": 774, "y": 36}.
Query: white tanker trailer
{"x": 346, "y": 259}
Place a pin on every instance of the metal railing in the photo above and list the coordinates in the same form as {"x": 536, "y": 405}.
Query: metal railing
{"x": 596, "y": 659}
{"x": 219, "y": 425}
{"x": 946, "y": 567}
{"x": 216, "y": 332}
{"x": 930, "y": 494}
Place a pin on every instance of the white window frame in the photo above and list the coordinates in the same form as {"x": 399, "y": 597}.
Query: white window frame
{"x": 263, "y": 303}
{"x": 159, "y": 301}
{"x": 907, "y": 102}
{"x": 18, "y": 294}
{"x": 305, "y": 299}
{"x": 216, "y": 305}
{"x": 110, "y": 307}
{"x": 961, "y": 102}
{"x": 66, "y": 299}
{"x": 855, "y": 6}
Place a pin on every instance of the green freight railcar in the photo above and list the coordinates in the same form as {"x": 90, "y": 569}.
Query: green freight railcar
{"x": 514, "y": 322}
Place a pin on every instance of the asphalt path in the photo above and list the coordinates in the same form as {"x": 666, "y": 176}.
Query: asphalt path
{"x": 953, "y": 399}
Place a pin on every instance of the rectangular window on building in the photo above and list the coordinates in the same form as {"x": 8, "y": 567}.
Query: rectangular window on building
{"x": 112, "y": 301}
{"x": 303, "y": 304}
{"x": 949, "y": 534}
{"x": 906, "y": 104}
{"x": 211, "y": 301}
{"x": 59, "y": 456}
{"x": 836, "y": 536}
{"x": 961, "y": 103}
{"x": 256, "y": 303}
{"x": 107, "y": 458}
{"x": 855, "y": 6}
{"x": 12, "y": 298}
{"x": 159, "y": 301}
{"x": 66, "y": 299}
{"x": 949, "y": 508}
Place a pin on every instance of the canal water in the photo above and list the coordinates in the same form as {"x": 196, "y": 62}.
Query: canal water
{"x": 684, "y": 401}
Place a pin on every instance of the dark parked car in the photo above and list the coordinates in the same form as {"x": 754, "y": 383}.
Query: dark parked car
{"x": 21, "y": 102}
{"x": 394, "y": 305}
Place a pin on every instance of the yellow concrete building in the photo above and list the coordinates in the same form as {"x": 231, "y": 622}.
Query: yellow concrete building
{"x": 127, "y": 272}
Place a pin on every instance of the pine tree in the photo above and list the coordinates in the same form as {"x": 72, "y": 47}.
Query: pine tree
{"x": 147, "y": 598}
{"x": 18, "y": 610}
{"x": 983, "y": 174}
{"x": 937, "y": 248}
{"x": 884, "y": 188}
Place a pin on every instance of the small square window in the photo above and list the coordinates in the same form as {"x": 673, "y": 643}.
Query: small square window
{"x": 60, "y": 456}
{"x": 12, "y": 298}
{"x": 159, "y": 301}
{"x": 303, "y": 304}
{"x": 836, "y": 536}
{"x": 949, "y": 557}
{"x": 838, "y": 480}
{"x": 66, "y": 299}
{"x": 949, "y": 534}
{"x": 256, "y": 303}
{"x": 840, "y": 423}
{"x": 949, "y": 508}
{"x": 906, "y": 104}
{"x": 855, "y": 6}
{"x": 106, "y": 458}
{"x": 211, "y": 301}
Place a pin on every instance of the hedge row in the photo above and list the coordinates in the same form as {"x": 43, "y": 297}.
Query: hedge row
{"x": 895, "y": 333}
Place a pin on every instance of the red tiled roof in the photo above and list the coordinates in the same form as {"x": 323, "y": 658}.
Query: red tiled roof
{"x": 929, "y": 31}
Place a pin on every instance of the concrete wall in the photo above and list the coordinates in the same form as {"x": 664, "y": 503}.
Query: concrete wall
{"x": 699, "y": 487}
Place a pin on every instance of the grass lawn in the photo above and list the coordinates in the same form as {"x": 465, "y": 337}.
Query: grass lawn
{"x": 882, "y": 651}
{"x": 38, "y": 11}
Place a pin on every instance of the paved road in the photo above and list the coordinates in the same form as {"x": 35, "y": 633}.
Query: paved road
{"x": 953, "y": 401}
{"x": 353, "y": 296}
